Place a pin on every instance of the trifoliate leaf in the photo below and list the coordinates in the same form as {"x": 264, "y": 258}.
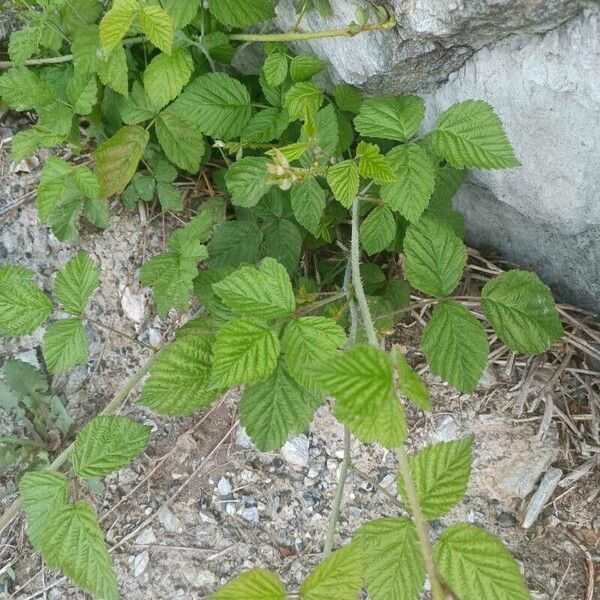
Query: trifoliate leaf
{"x": 157, "y": 25}
{"x": 275, "y": 69}
{"x": 410, "y": 383}
{"x": 23, "y": 44}
{"x": 455, "y": 345}
{"x": 118, "y": 157}
{"x": 308, "y": 203}
{"x": 264, "y": 293}
{"x": 74, "y": 543}
{"x": 245, "y": 351}
{"x": 107, "y": 444}
{"x": 469, "y": 134}
{"x": 283, "y": 241}
{"x": 476, "y": 565}
{"x": 390, "y": 117}
{"x": 76, "y": 282}
{"x": 338, "y": 577}
{"x": 234, "y": 243}
{"x": 116, "y": 22}
{"x": 274, "y": 410}
{"x": 441, "y": 475}
{"x": 521, "y": 310}
{"x": 65, "y": 345}
{"x": 42, "y": 493}
{"x": 378, "y": 230}
{"x": 216, "y": 103}
{"x": 409, "y": 194}
{"x": 435, "y": 256}
{"x": 82, "y": 93}
{"x": 247, "y": 181}
{"x": 303, "y": 98}
{"x": 23, "y": 307}
{"x": 138, "y": 107}
{"x": 344, "y": 179}
{"x": 166, "y": 75}
{"x": 304, "y": 67}
{"x": 348, "y": 97}
{"x": 181, "y": 141}
{"x": 372, "y": 164}
{"x": 113, "y": 72}
{"x": 257, "y": 584}
{"x": 266, "y": 125}
{"x": 178, "y": 382}
{"x": 182, "y": 12}
{"x": 393, "y": 565}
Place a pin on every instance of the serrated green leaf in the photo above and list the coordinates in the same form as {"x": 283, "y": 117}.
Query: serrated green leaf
{"x": 82, "y": 93}
{"x": 144, "y": 186}
{"x": 85, "y": 46}
{"x": 304, "y": 67}
{"x": 23, "y": 44}
{"x": 348, "y": 98}
{"x": 23, "y": 307}
{"x": 247, "y": 180}
{"x": 76, "y": 13}
{"x": 392, "y": 559}
{"x": 409, "y": 194}
{"x": 338, "y": 577}
{"x": 182, "y": 12}
{"x": 234, "y": 243}
{"x": 245, "y": 351}
{"x": 378, "y": 230}
{"x": 390, "y": 117}
{"x": 470, "y": 134}
{"x": 266, "y": 125}
{"x": 76, "y": 282}
{"x": 181, "y": 141}
{"x": 166, "y": 75}
{"x": 169, "y": 196}
{"x": 24, "y": 144}
{"x": 476, "y": 565}
{"x": 113, "y": 72}
{"x": 410, "y": 383}
{"x": 65, "y": 345}
{"x": 275, "y": 69}
{"x": 74, "y": 543}
{"x": 257, "y": 584}
{"x": 435, "y": 257}
{"x": 455, "y": 345}
{"x": 344, "y": 180}
{"x": 372, "y": 164}
{"x": 97, "y": 212}
{"x": 117, "y": 158}
{"x": 324, "y": 140}
{"x": 22, "y": 89}
{"x": 241, "y": 14}
{"x": 157, "y": 25}
{"x": 308, "y": 203}
{"x": 283, "y": 242}
{"x": 137, "y": 107}
{"x": 116, "y": 22}
{"x": 441, "y": 475}
{"x": 302, "y": 98}
{"x": 107, "y": 444}
{"x": 522, "y": 311}
{"x": 63, "y": 222}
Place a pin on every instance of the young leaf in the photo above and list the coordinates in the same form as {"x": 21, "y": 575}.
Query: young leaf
{"x": 23, "y": 307}
{"x": 372, "y": 164}
{"x": 275, "y": 69}
{"x": 274, "y": 410}
{"x": 469, "y": 134}
{"x": 390, "y": 117}
{"x": 257, "y": 584}
{"x": 393, "y": 564}
{"x": 455, "y": 345}
{"x": 378, "y": 230}
{"x": 65, "y": 345}
{"x": 441, "y": 475}
{"x": 521, "y": 310}
{"x": 157, "y": 25}
{"x": 178, "y": 382}
{"x": 304, "y": 67}
{"x": 338, "y": 577}
{"x": 344, "y": 179}
{"x": 166, "y": 75}
{"x": 308, "y": 203}
{"x": 181, "y": 141}
{"x": 234, "y": 243}
{"x": 247, "y": 181}
{"x": 409, "y": 194}
{"x": 410, "y": 383}
{"x": 303, "y": 98}
{"x": 245, "y": 351}
{"x": 118, "y": 157}
{"x": 241, "y": 14}
{"x": 107, "y": 444}
{"x": 265, "y": 125}
{"x": 476, "y": 565}
{"x": 264, "y": 293}
{"x": 116, "y": 22}
{"x": 76, "y": 282}
{"x": 435, "y": 257}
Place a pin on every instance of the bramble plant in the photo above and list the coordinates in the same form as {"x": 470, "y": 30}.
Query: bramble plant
{"x": 331, "y": 209}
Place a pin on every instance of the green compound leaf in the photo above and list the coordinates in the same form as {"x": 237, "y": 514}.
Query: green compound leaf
{"x": 470, "y": 134}
{"x": 308, "y": 203}
{"x": 178, "y": 382}
{"x": 181, "y": 141}
{"x": 410, "y": 383}
{"x": 241, "y": 14}
{"x": 455, "y": 345}
{"x": 116, "y": 22}
{"x": 247, "y": 181}
{"x": 65, "y": 345}
{"x": 76, "y": 282}
{"x": 216, "y": 103}
{"x": 274, "y": 410}
{"x": 410, "y": 193}
{"x": 166, "y": 75}
{"x": 73, "y": 542}
{"x": 117, "y": 158}
{"x": 435, "y": 256}
{"x": 522, "y": 311}
{"x": 107, "y": 444}
{"x": 304, "y": 67}
{"x": 245, "y": 351}
{"x": 338, "y": 577}
{"x": 23, "y": 307}
{"x": 234, "y": 243}
{"x": 441, "y": 475}
{"x": 372, "y": 164}
{"x": 157, "y": 25}
{"x": 392, "y": 118}
{"x": 301, "y": 99}
{"x": 477, "y": 565}
{"x": 42, "y": 492}
{"x": 264, "y": 293}
{"x": 257, "y": 584}
{"x": 275, "y": 69}
{"x": 266, "y": 125}
{"x": 378, "y": 230}
{"x": 394, "y": 567}
{"x": 344, "y": 180}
